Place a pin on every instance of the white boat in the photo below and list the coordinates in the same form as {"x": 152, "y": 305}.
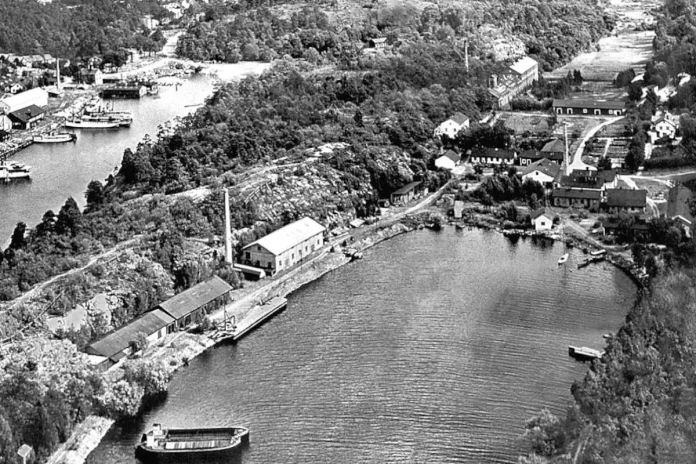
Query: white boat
{"x": 82, "y": 124}
{"x": 563, "y": 258}
{"x": 14, "y": 171}
{"x": 97, "y": 113}
{"x": 598, "y": 253}
{"x": 54, "y": 137}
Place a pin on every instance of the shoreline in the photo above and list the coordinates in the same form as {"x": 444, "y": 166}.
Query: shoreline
{"x": 178, "y": 349}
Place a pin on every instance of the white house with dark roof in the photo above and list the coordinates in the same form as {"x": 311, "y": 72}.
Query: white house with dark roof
{"x": 287, "y": 246}
{"x": 452, "y": 126}
{"x": 449, "y": 160}
{"x": 542, "y": 219}
{"x": 543, "y": 171}
{"x": 666, "y": 127}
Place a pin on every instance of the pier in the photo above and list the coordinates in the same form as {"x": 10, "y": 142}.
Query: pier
{"x": 254, "y": 318}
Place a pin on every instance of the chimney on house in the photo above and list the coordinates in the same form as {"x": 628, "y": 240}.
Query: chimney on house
{"x": 228, "y": 232}
{"x": 493, "y": 81}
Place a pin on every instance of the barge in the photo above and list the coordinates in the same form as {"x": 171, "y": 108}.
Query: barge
{"x": 582, "y": 353}
{"x": 164, "y": 446}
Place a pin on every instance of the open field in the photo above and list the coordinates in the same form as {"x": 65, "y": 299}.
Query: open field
{"x": 627, "y": 48}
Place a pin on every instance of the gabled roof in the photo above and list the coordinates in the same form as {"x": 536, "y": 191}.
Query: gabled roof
{"x": 523, "y": 65}
{"x": 459, "y": 118}
{"x": 574, "y": 193}
{"x": 544, "y": 166}
{"x": 626, "y": 198}
{"x": 407, "y": 188}
{"x": 454, "y": 156}
{"x": 537, "y": 155}
{"x": 287, "y": 237}
{"x": 554, "y": 146}
{"x": 595, "y": 104}
{"x": 542, "y": 212}
{"x": 26, "y": 114}
{"x": 493, "y": 152}
{"x": 186, "y": 302}
{"x": 119, "y": 339}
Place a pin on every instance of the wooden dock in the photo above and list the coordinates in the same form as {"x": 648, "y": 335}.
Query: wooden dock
{"x": 258, "y": 315}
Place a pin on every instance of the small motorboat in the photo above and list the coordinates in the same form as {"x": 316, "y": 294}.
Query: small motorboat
{"x": 563, "y": 258}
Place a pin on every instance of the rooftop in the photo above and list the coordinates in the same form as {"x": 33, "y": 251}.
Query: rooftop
{"x": 199, "y": 295}
{"x": 554, "y": 146}
{"x": 407, "y": 188}
{"x": 545, "y": 166}
{"x": 459, "y": 118}
{"x": 542, "y": 212}
{"x": 287, "y": 237}
{"x": 119, "y": 339}
{"x": 523, "y": 65}
{"x": 605, "y": 105}
{"x": 627, "y": 198}
{"x": 27, "y": 114}
{"x": 451, "y": 154}
{"x": 575, "y": 193}
{"x": 493, "y": 152}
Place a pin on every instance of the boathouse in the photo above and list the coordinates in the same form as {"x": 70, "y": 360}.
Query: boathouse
{"x": 193, "y": 304}
{"x": 26, "y": 118}
{"x": 136, "y": 91}
{"x": 542, "y": 219}
{"x": 118, "y": 344}
{"x": 287, "y": 246}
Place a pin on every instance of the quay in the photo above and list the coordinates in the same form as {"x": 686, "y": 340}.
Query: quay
{"x": 5, "y": 154}
{"x": 254, "y": 318}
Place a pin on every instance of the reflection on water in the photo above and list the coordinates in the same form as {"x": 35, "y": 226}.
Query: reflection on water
{"x": 437, "y": 347}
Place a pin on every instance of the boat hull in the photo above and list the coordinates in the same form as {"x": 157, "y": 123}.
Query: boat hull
{"x": 55, "y": 139}
{"x": 91, "y": 125}
{"x": 208, "y": 455}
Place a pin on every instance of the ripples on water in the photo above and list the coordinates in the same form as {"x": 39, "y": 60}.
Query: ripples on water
{"x": 435, "y": 348}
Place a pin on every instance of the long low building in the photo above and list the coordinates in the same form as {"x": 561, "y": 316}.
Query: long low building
{"x": 38, "y": 97}
{"x": 287, "y": 246}
{"x": 197, "y": 301}
{"x": 589, "y": 107}
{"x": 117, "y": 344}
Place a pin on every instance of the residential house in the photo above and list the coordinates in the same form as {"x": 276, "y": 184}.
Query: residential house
{"x": 192, "y": 304}
{"x": 117, "y": 344}
{"x": 485, "y": 155}
{"x": 16, "y": 88}
{"x": 554, "y": 149}
{"x": 666, "y": 127}
{"x": 589, "y": 107}
{"x": 589, "y": 179}
{"x": 542, "y": 219}
{"x": 37, "y": 97}
{"x": 378, "y": 43}
{"x": 626, "y": 200}
{"x": 286, "y": 247}
{"x": 527, "y": 157}
{"x": 452, "y": 126}
{"x": 543, "y": 171}
{"x": 406, "y": 193}
{"x": 449, "y": 160}
{"x": 92, "y": 76}
{"x": 26, "y": 118}
{"x": 576, "y": 197}
{"x": 639, "y": 228}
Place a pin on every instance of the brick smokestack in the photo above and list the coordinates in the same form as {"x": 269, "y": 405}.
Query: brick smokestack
{"x": 228, "y": 232}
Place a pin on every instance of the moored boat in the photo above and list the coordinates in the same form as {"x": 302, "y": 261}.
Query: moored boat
{"x": 55, "y": 137}
{"x": 563, "y": 258}
{"x": 161, "y": 445}
{"x": 83, "y": 124}
{"x": 14, "y": 170}
{"x": 583, "y": 353}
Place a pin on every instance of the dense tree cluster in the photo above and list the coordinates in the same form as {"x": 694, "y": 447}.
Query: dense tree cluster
{"x": 80, "y": 28}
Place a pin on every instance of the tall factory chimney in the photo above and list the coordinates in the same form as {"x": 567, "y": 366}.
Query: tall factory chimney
{"x": 58, "y": 73}
{"x": 566, "y": 155}
{"x": 228, "y": 232}
{"x": 466, "y": 54}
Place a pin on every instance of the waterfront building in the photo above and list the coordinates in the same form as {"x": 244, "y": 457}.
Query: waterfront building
{"x": 287, "y": 246}
{"x": 542, "y": 219}
{"x": 37, "y": 97}
{"x": 193, "y": 304}
{"x": 589, "y": 107}
{"x": 452, "y": 126}
{"x": 26, "y": 118}
{"x": 119, "y": 343}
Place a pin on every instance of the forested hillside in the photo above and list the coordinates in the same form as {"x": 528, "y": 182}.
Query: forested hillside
{"x": 79, "y": 28}
{"x": 553, "y": 31}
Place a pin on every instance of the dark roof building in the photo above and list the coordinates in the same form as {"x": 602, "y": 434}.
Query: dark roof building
{"x": 626, "y": 199}
{"x": 27, "y": 117}
{"x": 544, "y": 166}
{"x": 114, "y": 344}
{"x": 196, "y": 297}
{"x": 574, "y": 193}
{"x": 459, "y": 118}
{"x": 554, "y": 146}
{"x": 588, "y": 107}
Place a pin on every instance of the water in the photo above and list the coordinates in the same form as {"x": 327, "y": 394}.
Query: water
{"x": 63, "y": 170}
{"x": 437, "y": 347}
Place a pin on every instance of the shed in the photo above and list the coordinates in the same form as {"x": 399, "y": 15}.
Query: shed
{"x": 207, "y": 295}
{"x": 406, "y": 193}
{"x": 26, "y": 118}
{"x": 542, "y": 219}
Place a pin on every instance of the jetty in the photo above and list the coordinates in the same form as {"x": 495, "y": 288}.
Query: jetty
{"x": 256, "y": 316}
